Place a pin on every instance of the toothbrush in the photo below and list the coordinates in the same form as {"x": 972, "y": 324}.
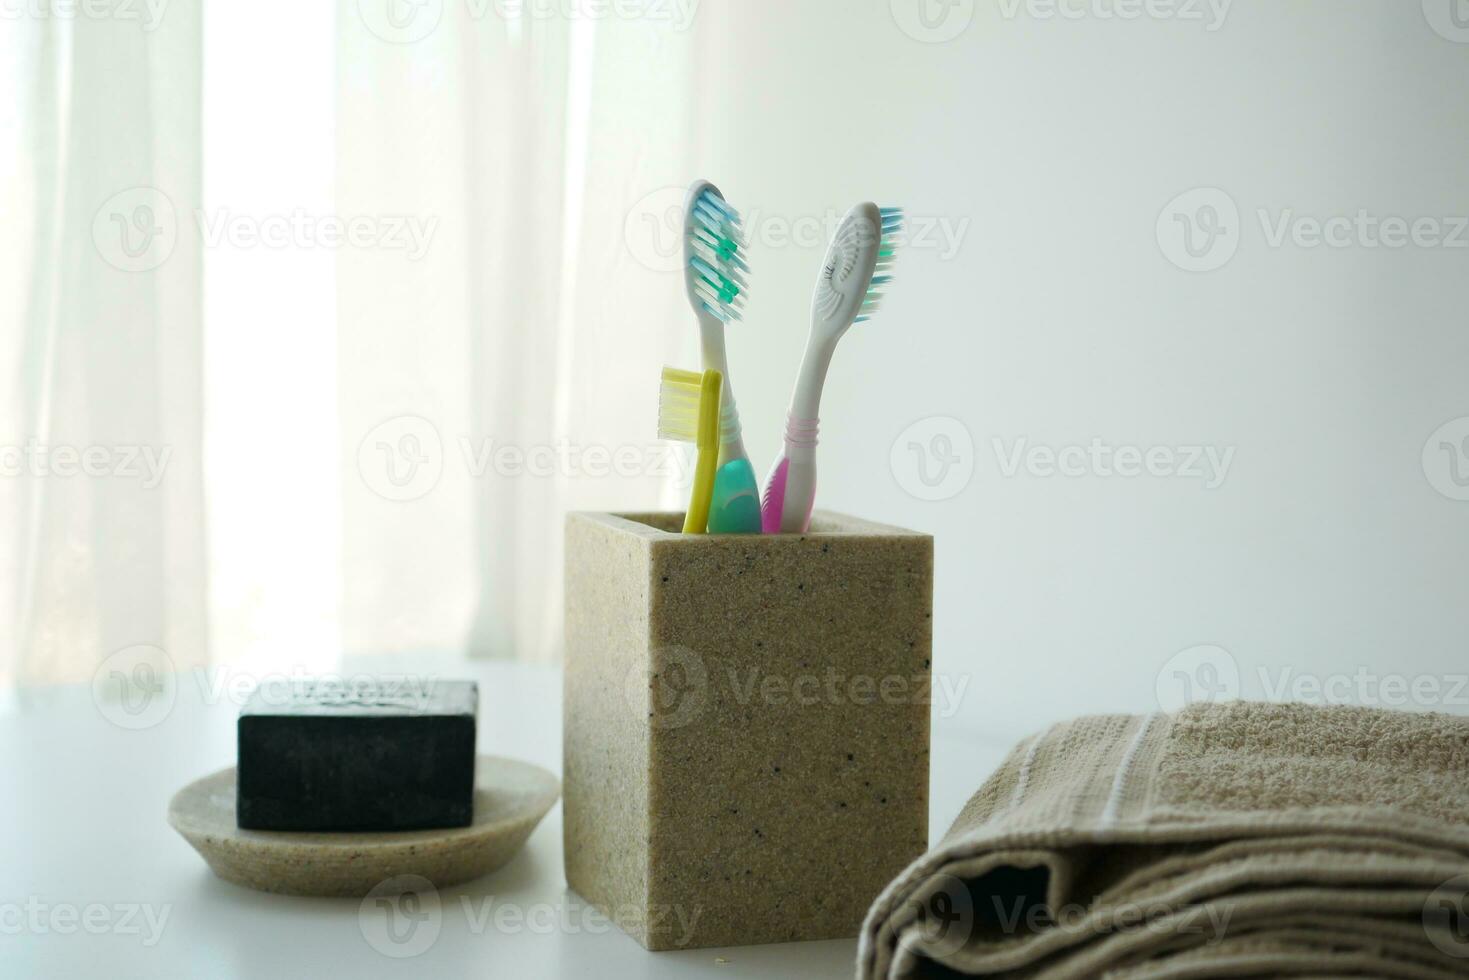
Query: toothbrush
{"x": 849, "y": 290}
{"x": 688, "y": 411}
{"x": 714, "y": 276}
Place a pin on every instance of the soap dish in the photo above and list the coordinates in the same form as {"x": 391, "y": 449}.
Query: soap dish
{"x": 510, "y": 798}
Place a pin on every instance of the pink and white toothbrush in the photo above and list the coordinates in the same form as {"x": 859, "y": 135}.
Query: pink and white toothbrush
{"x": 849, "y": 290}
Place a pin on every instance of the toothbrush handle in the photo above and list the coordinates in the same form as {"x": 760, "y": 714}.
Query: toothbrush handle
{"x": 696, "y": 519}
{"x": 735, "y": 505}
{"x": 790, "y": 489}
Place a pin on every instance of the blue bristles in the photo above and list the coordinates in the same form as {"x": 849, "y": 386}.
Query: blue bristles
{"x": 717, "y": 243}
{"x": 892, "y": 227}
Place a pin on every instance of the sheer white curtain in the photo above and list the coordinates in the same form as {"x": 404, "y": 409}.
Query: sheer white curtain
{"x": 491, "y": 360}
{"x": 508, "y": 373}
{"x": 101, "y": 520}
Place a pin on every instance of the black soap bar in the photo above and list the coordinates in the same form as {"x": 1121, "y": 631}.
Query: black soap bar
{"x": 359, "y": 755}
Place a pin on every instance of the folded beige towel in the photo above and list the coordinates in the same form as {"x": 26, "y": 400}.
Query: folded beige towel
{"x": 1228, "y": 840}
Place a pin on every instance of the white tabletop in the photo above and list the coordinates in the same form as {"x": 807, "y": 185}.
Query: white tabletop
{"x": 96, "y": 883}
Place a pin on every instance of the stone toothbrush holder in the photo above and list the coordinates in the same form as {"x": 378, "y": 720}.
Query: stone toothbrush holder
{"x": 746, "y": 724}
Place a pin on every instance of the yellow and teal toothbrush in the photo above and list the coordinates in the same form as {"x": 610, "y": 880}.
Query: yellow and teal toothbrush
{"x": 715, "y": 276}
{"x": 688, "y": 411}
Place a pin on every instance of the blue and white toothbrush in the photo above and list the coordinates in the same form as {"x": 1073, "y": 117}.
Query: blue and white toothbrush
{"x": 715, "y": 276}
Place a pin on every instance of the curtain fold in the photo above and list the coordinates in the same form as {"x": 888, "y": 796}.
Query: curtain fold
{"x": 499, "y": 371}
{"x": 100, "y": 407}
{"x": 510, "y": 373}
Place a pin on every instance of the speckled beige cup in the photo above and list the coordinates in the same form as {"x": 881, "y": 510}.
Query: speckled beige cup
{"x": 746, "y": 736}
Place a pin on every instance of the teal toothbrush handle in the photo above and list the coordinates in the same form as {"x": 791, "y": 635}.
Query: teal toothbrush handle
{"x": 735, "y": 508}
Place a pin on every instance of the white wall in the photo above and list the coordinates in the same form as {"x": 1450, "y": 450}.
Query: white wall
{"x": 1053, "y": 145}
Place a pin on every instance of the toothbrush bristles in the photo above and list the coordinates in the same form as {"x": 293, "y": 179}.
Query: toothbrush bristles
{"x": 717, "y": 242}
{"x": 679, "y": 400}
{"x": 887, "y": 247}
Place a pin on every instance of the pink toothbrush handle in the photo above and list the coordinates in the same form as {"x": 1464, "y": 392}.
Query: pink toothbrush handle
{"x": 774, "y": 499}
{"x": 790, "y": 489}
